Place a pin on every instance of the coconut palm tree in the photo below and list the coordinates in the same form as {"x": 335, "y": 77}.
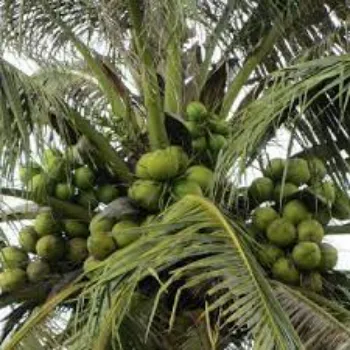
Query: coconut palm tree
{"x": 113, "y": 82}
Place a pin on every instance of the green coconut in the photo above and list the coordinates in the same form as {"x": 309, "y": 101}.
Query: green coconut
{"x": 261, "y": 189}
{"x": 84, "y": 178}
{"x": 90, "y": 266}
{"x": 341, "y": 206}
{"x": 12, "y": 257}
{"x": 87, "y": 199}
{"x": 50, "y": 247}
{"x": 329, "y": 257}
{"x": 284, "y": 270}
{"x": 317, "y": 168}
{"x": 298, "y": 171}
{"x": 28, "y": 238}
{"x": 37, "y": 271}
{"x": 218, "y": 126}
{"x": 101, "y": 224}
{"x": 283, "y": 191}
{"x": 196, "y": 112}
{"x": 177, "y": 152}
{"x": 323, "y": 215}
{"x": 325, "y": 190}
{"x": 123, "y": 238}
{"x": 146, "y": 193}
{"x": 306, "y": 255}
{"x": 101, "y": 245}
{"x": 217, "y": 142}
{"x": 45, "y": 224}
{"x": 312, "y": 281}
{"x": 77, "y": 250}
{"x": 12, "y": 280}
{"x": 275, "y": 168}
{"x": 40, "y": 186}
{"x": 163, "y": 165}
{"x": 263, "y": 217}
{"x": 199, "y": 144}
{"x": 295, "y": 211}
{"x": 142, "y": 166}
{"x": 182, "y": 188}
{"x": 107, "y": 193}
{"x": 195, "y": 129}
{"x": 268, "y": 254}
{"x": 202, "y": 175}
{"x": 26, "y": 173}
{"x": 310, "y": 230}
{"x": 75, "y": 228}
{"x": 281, "y": 232}
{"x": 64, "y": 191}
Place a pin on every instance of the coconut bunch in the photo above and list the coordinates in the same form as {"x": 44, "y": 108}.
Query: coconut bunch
{"x": 292, "y": 204}
{"x": 47, "y": 247}
{"x": 67, "y": 178}
{"x": 208, "y": 130}
{"x": 164, "y": 176}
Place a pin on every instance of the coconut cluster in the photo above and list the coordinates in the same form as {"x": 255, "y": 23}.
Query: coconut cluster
{"x": 164, "y": 176}
{"x": 53, "y": 243}
{"x": 293, "y": 202}
{"x": 66, "y": 177}
{"x": 208, "y": 130}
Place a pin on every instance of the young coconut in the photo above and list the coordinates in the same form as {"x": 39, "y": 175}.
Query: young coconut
{"x": 77, "y": 250}
{"x": 196, "y": 112}
{"x": 64, "y": 191}
{"x": 50, "y": 248}
{"x": 28, "y": 238}
{"x": 317, "y": 169}
{"x": 310, "y": 230}
{"x": 202, "y": 175}
{"x": 45, "y": 224}
{"x": 268, "y": 254}
{"x": 84, "y": 178}
{"x": 281, "y": 232}
{"x": 37, "y": 271}
{"x": 146, "y": 194}
{"x": 285, "y": 271}
{"x": 182, "y": 188}
{"x": 162, "y": 165}
{"x": 329, "y": 257}
{"x": 312, "y": 281}
{"x": 123, "y": 238}
{"x": 275, "y": 168}
{"x": 107, "y": 193}
{"x": 295, "y": 211}
{"x": 101, "y": 245}
{"x": 261, "y": 189}
{"x": 90, "y": 266}
{"x": 12, "y": 257}
{"x": 75, "y": 228}
{"x": 12, "y": 280}
{"x": 298, "y": 171}
{"x": 100, "y": 224}
{"x": 325, "y": 190}
{"x": 306, "y": 255}
{"x": 263, "y": 217}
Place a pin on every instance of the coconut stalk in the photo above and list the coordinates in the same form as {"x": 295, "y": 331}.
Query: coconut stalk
{"x": 156, "y": 129}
